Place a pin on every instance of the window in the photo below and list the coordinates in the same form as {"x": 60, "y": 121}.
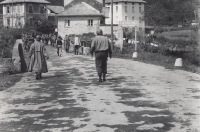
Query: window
{"x": 140, "y": 29}
{"x": 30, "y": 9}
{"x": 67, "y": 23}
{"x": 139, "y": 3}
{"x": 30, "y": 21}
{"x": 8, "y": 22}
{"x": 133, "y": 18}
{"x": 126, "y": 18}
{"x": 90, "y": 22}
{"x": 109, "y": 9}
{"x": 140, "y": 19}
{"x": 116, "y": 8}
{"x": 125, "y": 3}
{"x": 41, "y": 9}
{"x": 140, "y": 9}
{"x": 132, "y": 3}
{"x": 116, "y": 3}
{"x": 8, "y": 9}
{"x": 133, "y": 10}
{"x": 125, "y": 8}
{"x": 18, "y": 9}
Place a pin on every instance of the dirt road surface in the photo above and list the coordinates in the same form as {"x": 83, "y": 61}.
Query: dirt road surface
{"x": 136, "y": 97}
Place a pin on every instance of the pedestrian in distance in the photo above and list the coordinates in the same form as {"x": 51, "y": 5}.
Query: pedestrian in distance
{"x": 59, "y": 45}
{"x": 29, "y": 43}
{"x": 102, "y": 49}
{"x": 38, "y": 55}
{"x": 76, "y": 45}
{"x": 66, "y": 43}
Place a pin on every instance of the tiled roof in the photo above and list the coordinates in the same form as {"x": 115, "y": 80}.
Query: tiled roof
{"x": 24, "y": 1}
{"x": 55, "y": 9}
{"x": 81, "y": 9}
{"x": 136, "y": 1}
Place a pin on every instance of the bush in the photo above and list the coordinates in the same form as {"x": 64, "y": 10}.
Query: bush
{"x": 7, "y": 41}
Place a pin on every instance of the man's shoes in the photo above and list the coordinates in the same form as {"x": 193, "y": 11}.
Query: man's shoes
{"x": 104, "y": 77}
{"x": 40, "y": 76}
{"x": 100, "y": 79}
{"x": 37, "y": 76}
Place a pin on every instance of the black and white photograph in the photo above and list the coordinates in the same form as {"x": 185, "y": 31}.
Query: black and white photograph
{"x": 99, "y": 66}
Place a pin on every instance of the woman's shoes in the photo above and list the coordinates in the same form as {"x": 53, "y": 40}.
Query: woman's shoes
{"x": 38, "y": 76}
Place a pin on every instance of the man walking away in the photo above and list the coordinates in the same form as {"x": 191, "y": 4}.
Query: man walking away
{"x": 38, "y": 55}
{"x": 59, "y": 45}
{"x": 102, "y": 48}
{"x": 76, "y": 45}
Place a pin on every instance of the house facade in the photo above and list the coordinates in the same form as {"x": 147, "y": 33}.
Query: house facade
{"x": 18, "y": 13}
{"x": 78, "y": 19}
{"x": 126, "y": 10}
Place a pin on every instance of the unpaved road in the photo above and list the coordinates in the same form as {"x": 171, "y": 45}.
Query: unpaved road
{"x": 136, "y": 97}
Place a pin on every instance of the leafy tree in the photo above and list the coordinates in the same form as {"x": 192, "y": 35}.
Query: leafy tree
{"x": 169, "y": 12}
{"x": 44, "y": 26}
{"x": 155, "y": 14}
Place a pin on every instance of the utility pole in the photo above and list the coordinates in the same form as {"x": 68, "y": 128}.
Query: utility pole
{"x": 112, "y": 24}
{"x": 195, "y": 14}
{"x": 12, "y": 13}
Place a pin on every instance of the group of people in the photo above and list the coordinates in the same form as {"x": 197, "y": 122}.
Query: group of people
{"x": 100, "y": 47}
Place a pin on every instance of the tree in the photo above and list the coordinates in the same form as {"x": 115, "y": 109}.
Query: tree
{"x": 169, "y": 12}
{"x": 44, "y": 26}
{"x": 155, "y": 14}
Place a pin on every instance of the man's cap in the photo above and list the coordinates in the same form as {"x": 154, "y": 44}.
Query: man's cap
{"x": 99, "y": 32}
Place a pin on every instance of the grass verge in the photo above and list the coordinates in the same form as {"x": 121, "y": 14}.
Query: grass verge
{"x": 10, "y": 76}
{"x": 7, "y": 80}
{"x": 191, "y": 60}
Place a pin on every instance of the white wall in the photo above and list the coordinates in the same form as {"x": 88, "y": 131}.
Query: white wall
{"x": 14, "y": 13}
{"x": 121, "y": 13}
{"x": 78, "y": 25}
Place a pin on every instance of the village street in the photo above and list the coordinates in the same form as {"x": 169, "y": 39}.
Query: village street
{"x": 136, "y": 97}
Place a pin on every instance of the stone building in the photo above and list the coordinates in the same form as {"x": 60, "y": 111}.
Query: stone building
{"x": 78, "y": 19}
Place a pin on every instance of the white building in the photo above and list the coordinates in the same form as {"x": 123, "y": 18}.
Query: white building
{"x": 17, "y": 13}
{"x": 126, "y": 10}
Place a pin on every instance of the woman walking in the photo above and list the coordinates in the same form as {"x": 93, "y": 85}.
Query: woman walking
{"x": 38, "y": 55}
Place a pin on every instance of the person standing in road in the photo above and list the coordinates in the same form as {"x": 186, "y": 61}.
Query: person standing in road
{"x": 102, "y": 48}
{"x": 76, "y": 45}
{"x": 66, "y": 43}
{"x": 38, "y": 55}
{"x": 59, "y": 45}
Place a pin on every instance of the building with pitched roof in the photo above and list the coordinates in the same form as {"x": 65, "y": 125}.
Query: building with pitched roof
{"x": 17, "y": 13}
{"x": 78, "y": 19}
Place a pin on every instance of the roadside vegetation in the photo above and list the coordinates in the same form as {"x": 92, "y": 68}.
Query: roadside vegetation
{"x": 164, "y": 48}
